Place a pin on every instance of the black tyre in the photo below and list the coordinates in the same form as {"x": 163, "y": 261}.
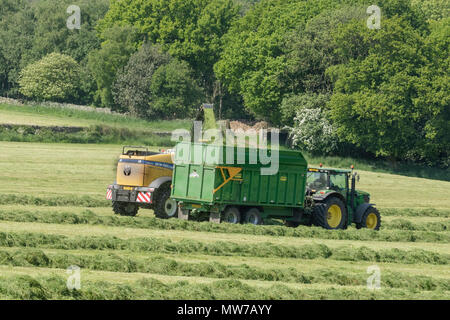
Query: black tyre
{"x": 298, "y": 216}
{"x": 232, "y": 215}
{"x": 163, "y": 206}
{"x": 291, "y": 224}
{"x": 253, "y": 216}
{"x": 371, "y": 219}
{"x": 125, "y": 208}
{"x": 330, "y": 214}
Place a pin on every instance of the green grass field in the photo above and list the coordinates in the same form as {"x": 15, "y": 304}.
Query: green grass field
{"x": 53, "y": 214}
{"x": 53, "y": 116}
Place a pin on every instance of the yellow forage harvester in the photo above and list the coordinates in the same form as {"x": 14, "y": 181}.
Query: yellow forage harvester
{"x": 144, "y": 178}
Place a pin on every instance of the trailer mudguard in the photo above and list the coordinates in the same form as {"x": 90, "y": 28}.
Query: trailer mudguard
{"x": 360, "y": 211}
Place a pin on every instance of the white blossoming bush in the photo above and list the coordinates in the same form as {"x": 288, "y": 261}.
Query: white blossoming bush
{"x": 313, "y": 132}
{"x": 56, "y": 77}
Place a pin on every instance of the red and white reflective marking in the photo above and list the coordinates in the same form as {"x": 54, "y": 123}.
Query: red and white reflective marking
{"x": 145, "y": 197}
{"x": 109, "y": 194}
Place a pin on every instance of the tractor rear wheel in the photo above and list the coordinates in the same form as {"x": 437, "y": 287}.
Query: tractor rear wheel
{"x": 125, "y": 208}
{"x": 163, "y": 206}
{"x": 330, "y": 214}
{"x": 253, "y": 216}
{"x": 232, "y": 215}
{"x": 371, "y": 219}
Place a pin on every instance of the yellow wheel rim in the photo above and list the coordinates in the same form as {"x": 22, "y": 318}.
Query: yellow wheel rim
{"x": 371, "y": 221}
{"x": 334, "y": 216}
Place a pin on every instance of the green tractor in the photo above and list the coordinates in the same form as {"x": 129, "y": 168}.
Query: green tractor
{"x": 334, "y": 201}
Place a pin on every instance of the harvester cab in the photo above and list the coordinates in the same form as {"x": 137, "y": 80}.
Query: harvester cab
{"x": 337, "y": 202}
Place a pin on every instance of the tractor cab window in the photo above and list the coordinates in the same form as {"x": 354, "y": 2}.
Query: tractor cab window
{"x": 317, "y": 180}
{"x": 338, "y": 181}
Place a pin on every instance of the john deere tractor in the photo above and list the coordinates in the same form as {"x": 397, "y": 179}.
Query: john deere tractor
{"x": 336, "y": 203}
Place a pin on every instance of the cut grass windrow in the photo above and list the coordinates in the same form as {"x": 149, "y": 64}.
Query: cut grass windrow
{"x": 55, "y": 287}
{"x": 402, "y": 224}
{"x": 94, "y": 202}
{"x": 162, "y": 265}
{"x": 408, "y": 234}
{"x": 55, "y": 201}
{"x": 409, "y": 212}
{"x": 222, "y": 248}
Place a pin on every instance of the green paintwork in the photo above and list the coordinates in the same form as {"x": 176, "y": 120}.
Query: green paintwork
{"x": 277, "y": 195}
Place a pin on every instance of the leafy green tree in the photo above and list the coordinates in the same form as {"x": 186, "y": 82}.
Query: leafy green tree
{"x": 55, "y": 77}
{"x": 254, "y": 61}
{"x": 132, "y": 88}
{"x": 433, "y": 9}
{"x": 16, "y": 38}
{"x": 260, "y": 62}
{"x": 105, "y": 63}
{"x": 434, "y": 98}
{"x": 175, "y": 93}
{"x": 29, "y": 30}
{"x": 52, "y": 35}
{"x": 373, "y": 105}
{"x": 310, "y": 51}
{"x": 189, "y": 30}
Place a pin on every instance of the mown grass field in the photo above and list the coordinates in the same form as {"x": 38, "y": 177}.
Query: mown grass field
{"x": 54, "y": 116}
{"x": 53, "y": 215}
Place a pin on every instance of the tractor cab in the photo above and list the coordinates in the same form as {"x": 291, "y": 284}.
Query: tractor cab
{"x": 320, "y": 179}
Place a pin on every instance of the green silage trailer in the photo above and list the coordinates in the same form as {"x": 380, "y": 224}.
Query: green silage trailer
{"x": 229, "y": 181}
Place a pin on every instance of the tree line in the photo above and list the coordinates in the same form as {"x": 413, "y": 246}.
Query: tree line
{"x": 314, "y": 67}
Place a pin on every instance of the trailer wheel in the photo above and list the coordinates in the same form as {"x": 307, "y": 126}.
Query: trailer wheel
{"x": 164, "y": 207}
{"x": 232, "y": 215}
{"x": 371, "y": 219}
{"x": 330, "y": 214}
{"x": 125, "y": 208}
{"x": 253, "y": 216}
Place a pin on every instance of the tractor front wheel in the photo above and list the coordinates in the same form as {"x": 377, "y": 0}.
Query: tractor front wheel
{"x": 371, "y": 219}
{"x": 330, "y": 214}
{"x": 125, "y": 208}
